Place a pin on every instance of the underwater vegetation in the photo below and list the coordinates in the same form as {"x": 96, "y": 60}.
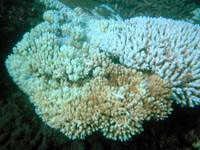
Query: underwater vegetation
{"x": 85, "y": 73}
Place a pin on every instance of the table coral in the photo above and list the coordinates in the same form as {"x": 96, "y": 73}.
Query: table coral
{"x": 84, "y": 73}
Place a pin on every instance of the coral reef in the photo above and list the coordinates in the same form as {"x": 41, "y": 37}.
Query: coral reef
{"x": 84, "y": 73}
{"x": 79, "y": 89}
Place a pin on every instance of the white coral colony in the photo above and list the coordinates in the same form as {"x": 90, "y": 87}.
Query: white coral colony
{"x": 84, "y": 73}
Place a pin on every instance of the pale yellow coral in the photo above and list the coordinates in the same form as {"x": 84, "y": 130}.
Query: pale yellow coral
{"x": 115, "y": 102}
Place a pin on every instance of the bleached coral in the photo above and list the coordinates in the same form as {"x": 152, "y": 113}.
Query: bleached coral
{"x": 86, "y": 74}
{"x": 166, "y": 47}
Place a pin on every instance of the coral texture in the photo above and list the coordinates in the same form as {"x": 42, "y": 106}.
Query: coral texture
{"x": 85, "y": 74}
{"x": 166, "y": 47}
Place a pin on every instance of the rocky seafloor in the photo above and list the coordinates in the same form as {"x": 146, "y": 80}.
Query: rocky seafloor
{"x": 20, "y": 128}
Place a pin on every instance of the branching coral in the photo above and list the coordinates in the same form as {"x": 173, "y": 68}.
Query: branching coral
{"x": 84, "y": 73}
{"x": 167, "y": 47}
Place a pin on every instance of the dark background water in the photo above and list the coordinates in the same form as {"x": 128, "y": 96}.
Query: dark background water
{"x": 21, "y": 129}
